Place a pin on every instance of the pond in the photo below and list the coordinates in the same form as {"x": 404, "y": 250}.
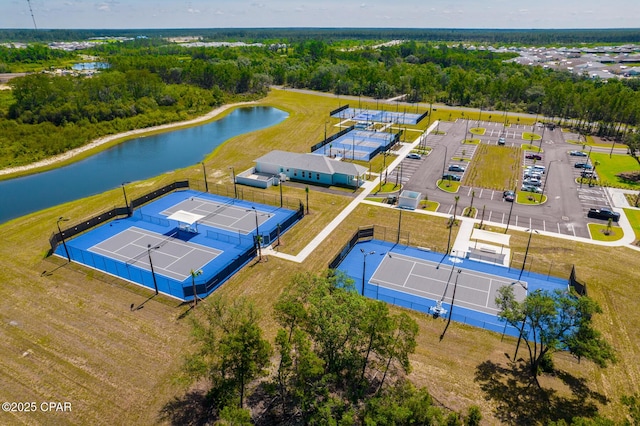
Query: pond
{"x": 133, "y": 160}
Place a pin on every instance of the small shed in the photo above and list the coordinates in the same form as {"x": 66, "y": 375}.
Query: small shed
{"x": 409, "y": 200}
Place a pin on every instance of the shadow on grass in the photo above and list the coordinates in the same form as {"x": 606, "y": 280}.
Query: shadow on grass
{"x": 519, "y": 401}
{"x": 192, "y": 409}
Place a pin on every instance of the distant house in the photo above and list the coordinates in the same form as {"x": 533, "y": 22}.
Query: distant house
{"x": 311, "y": 168}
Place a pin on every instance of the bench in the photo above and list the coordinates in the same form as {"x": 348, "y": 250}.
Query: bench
{"x": 488, "y": 250}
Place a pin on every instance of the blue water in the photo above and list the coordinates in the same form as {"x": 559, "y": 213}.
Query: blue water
{"x": 90, "y": 66}
{"x": 136, "y": 159}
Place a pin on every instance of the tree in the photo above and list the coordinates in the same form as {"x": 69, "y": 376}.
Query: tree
{"x": 555, "y": 321}
{"x": 455, "y": 208}
{"x": 231, "y": 352}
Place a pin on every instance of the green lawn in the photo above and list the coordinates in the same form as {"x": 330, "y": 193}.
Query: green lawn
{"x": 634, "y": 219}
{"x": 529, "y": 147}
{"x": 477, "y": 130}
{"x": 528, "y": 136}
{"x": 524, "y": 197}
{"x": 599, "y": 232}
{"x": 449, "y": 186}
{"x": 610, "y": 167}
{"x": 471, "y": 141}
{"x": 494, "y": 167}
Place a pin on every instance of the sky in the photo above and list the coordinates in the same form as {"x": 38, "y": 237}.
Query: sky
{"x": 133, "y": 14}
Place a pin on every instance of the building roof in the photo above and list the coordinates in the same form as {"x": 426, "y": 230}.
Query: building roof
{"x": 311, "y": 162}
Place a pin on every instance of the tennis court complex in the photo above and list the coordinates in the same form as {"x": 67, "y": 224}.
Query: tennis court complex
{"x": 182, "y": 242}
{"x": 419, "y": 279}
{"x": 358, "y": 144}
{"x": 169, "y": 255}
{"x": 221, "y": 215}
{"x": 474, "y": 290}
{"x": 378, "y": 116}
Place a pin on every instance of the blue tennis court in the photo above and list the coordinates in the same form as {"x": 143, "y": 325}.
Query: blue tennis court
{"x": 419, "y": 279}
{"x": 182, "y": 238}
{"x": 376, "y": 116}
{"x": 358, "y": 145}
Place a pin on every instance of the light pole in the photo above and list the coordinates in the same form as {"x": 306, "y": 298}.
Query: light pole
{"x": 153, "y": 274}
{"x": 547, "y": 178}
{"x": 204, "y": 174}
{"x": 126, "y": 202}
{"x": 364, "y": 265}
{"x": 194, "y": 274}
{"x": 530, "y": 231}
{"x": 64, "y": 244}
{"x": 258, "y": 235}
{"x": 515, "y": 191}
{"x": 399, "y": 226}
{"x": 235, "y": 188}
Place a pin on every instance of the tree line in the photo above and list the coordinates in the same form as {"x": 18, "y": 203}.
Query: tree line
{"x": 508, "y": 36}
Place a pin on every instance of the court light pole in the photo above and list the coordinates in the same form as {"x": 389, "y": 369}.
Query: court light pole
{"x": 547, "y": 178}
{"x": 194, "y": 274}
{"x": 399, "y": 226}
{"x": 364, "y": 265}
{"x": 258, "y": 242}
{"x": 235, "y": 188}
{"x": 126, "y": 202}
{"x": 511, "y": 208}
{"x": 64, "y": 244}
{"x": 524, "y": 319}
{"x": 153, "y": 274}
{"x": 204, "y": 174}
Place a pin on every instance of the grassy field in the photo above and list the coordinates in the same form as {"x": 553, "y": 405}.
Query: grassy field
{"x": 69, "y": 334}
{"x": 494, "y": 167}
{"x": 634, "y": 219}
{"x": 608, "y": 168}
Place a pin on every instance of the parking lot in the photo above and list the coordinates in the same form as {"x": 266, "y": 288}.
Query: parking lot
{"x": 567, "y": 203}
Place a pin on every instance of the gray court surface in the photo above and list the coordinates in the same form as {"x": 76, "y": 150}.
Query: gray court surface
{"x": 474, "y": 290}
{"x": 171, "y": 257}
{"x": 221, "y": 215}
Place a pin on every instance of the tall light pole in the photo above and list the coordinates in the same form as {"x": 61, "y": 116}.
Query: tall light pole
{"x": 153, "y": 274}
{"x": 530, "y": 231}
{"x": 547, "y": 178}
{"x": 204, "y": 174}
{"x": 194, "y": 274}
{"x": 399, "y": 226}
{"x": 364, "y": 266}
{"x": 235, "y": 188}
{"x": 258, "y": 242}
{"x": 515, "y": 191}
{"x": 64, "y": 244}
{"x": 126, "y": 202}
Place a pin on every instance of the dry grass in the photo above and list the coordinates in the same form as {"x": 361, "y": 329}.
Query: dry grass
{"x": 69, "y": 335}
{"x": 494, "y": 167}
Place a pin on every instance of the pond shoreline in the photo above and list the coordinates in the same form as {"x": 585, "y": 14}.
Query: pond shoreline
{"x": 65, "y": 156}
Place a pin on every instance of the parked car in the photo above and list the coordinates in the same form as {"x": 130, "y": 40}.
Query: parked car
{"x": 535, "y": 169}
{"x": 456, "y": 168}
{"x": 603, "y": 213}
{"x": 533, "y": 156}
{"x": 578, "y": 153}
{"x": 502, "y": 141}
{"x": 451, "y": 176}
{"x": 587, "y": 173}
{"x": 509, "y": 196}
{"x": 414, "y": 156}
{"x": 583, "y": 166}
{"x": 532, "y": 182}
{"x": 528, "y": 174}
{"x": 530, "y": 188}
